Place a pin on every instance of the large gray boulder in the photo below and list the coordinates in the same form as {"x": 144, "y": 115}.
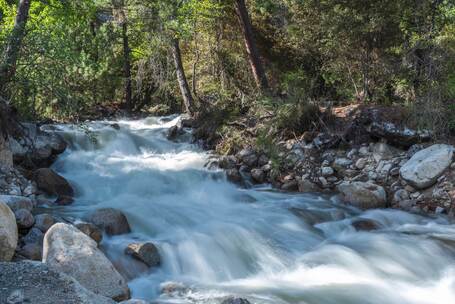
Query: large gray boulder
{"x": 364, "y": 195}
{"x": 8, "y": 233}
{"x": 427, "y": 165}
{"x": 41, "y": 147}
{"x": 36, "y": 283}
{"x": 70, "y": 251}
{"x": 52, "y": 183}
{"x": 110, "y": 220}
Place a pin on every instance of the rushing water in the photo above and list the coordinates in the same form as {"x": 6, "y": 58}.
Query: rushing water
{"x": 219, "y": 240}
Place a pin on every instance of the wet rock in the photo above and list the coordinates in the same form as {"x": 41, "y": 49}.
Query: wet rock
{"x": 91, "y": 230}
{"x": 228, "y": 162}
{"x": 52, "y": 183}
{"x": 426, "y": 166}
{"x": 258, "y": 175}
{"x": 306, "y": 186}
{"x": 32, "y": 251}
{"x": 233, "y": 300}
{"x": 64, "y": 200}
{"x": 174, "y": 132}
{"x": 174, "y": 289}
{"x": 34, "y": 282}
{"x": 17, "y": 202}
{"x": 34, "y": 236}
{"x": 234, "y": 175}
{"x": 8, "y": 233}
{"x": 110, "y": 220}
{"x": 400, "y": 195}
{"x": 44, "y": 221}
{"x": 291, "y": 185}
{"x": 365, "y": 225}
{"x": 70, "y": 251}
{"x": 364, "y": 195}
{"x": 398, "y": 136}
{"x": 24, "y": 219}
{"x": 248, "y": 156}
{"x": 145, "y": 252}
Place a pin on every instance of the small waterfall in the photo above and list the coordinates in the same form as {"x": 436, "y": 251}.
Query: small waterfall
{"x": 270, "y": 247}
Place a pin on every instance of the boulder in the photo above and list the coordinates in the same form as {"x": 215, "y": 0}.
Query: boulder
{"x": 44, "y": 221}
{"x": 233, "y": 175}
{"x": 91, "y": 230}
{"x": 32, "y": 252}
{"x": 291, "y": 185}
{"x": 145, "y": 252}
{"x": 34, "y": 236}
{"x": 426, "y": 166}
{"x": 364, "y": 195}
{"x": 24, "y": 219}
{"x": 39, "y": 146}
{"x": 398, "y": 136}
{"x": 227, "y": 162}
{"x": 8, "y": 233}
{"x": 308, "y": 186}
{"x": 248, "y": 156}
{"x": 110, "y": 220}
{"x": 34, "y": 282}
{"x": 17, "y": 202}
{"x": 52, "y": 183}
{"x": 70, "y": 251}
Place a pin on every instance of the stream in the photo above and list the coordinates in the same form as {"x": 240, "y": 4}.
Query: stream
{"x": 217, "y": 239}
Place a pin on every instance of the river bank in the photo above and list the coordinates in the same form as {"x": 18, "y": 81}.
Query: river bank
{"x": 126, "y": 212}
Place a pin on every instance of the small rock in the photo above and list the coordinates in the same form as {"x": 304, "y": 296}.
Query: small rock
{"x": 364, "y": 151}
{"x": 327, "y": 171}
{"x": 34, "y": 236}
{"x": 145, "y": 252}
{"x": 110, "y": 220}
{"x": 32, "y": 251}
{"x": 361, "y": 163}
{"x": 234, "y": 175}
{"x": 44, "y": 221}
{"x": 258, "y": 175}
{"x": 365, "y": 225}
{"x": 17, "y": 202}
{"x": 233, "y": 300}
{"x": 400, "y": 195}
{"x": 341, "y": 164}
{"x": 91, "y": 230}
{"x": 440, "y": 210}
{"x": 407, "y": 204}
{"x": 174, "y": 289}
{"x": 24, "y": 219}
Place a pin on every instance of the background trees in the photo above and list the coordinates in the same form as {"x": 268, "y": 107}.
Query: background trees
{"x": 166, "y": 56}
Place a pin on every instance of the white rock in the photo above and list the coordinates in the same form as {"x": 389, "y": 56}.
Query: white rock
{"x": 364, "y": 195}
{"x": 70, "y": 251}
{"x": 8, "y": 233}
{"x": 424, "y": 168}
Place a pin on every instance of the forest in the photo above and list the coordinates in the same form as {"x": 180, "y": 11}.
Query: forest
{"x": 66, "y": 59}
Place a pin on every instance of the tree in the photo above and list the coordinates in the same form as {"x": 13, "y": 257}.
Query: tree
{"x": 11, "y": 54}
{"x": 250, "y": 44}
{"x": 181, "y": 77}
{"x": 120, "y": 8}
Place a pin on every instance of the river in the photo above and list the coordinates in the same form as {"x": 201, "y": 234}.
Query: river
{"x": 219, "y": 239}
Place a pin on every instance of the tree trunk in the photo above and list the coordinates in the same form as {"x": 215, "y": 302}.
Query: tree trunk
{"x": 127, "y": 68}
{"x": 183, "y": 83}
{"x": 8, "y": 66}
{"x": 250, "y": 44}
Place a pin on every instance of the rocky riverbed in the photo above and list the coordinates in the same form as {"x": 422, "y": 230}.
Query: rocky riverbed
{"x": 72, "y": 259}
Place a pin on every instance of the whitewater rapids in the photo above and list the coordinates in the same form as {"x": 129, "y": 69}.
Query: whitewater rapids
{"x": 220, "y": 240}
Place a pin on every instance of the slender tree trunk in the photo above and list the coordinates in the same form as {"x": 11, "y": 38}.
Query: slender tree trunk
{"x": 8, "y": 65}
{"x": 250, "y": 44}
{"x": 127, "y": 68}
{"x": 119, "y": 9}
{"x": 181, "y": 77}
